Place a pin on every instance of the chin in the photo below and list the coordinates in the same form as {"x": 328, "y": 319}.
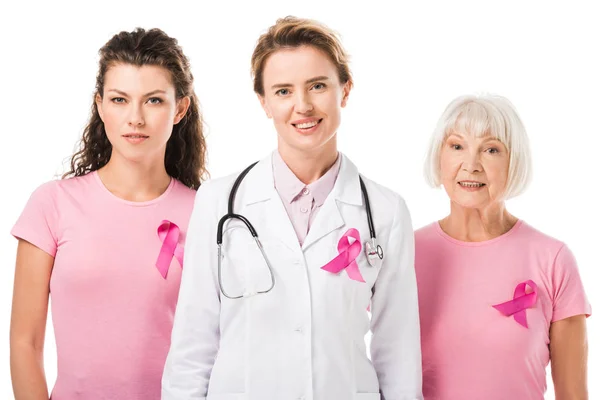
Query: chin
{"x": 472, "y": 204}
{"x": 135, "y": 156}
{"x": 304, "y": 145}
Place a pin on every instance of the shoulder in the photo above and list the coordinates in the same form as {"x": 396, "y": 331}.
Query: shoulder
{"x": 216, "y": 188}
{"x": 384, "y": 197}
{"x": 55, "y": 190}
{"x": 213, "y": 195}
{"x": 382, "y": 193}
{"x": 537, "y": 241}
{"x": 182, "y": 193}
{"x": 385, "y": 202}
{"x": 427, "y": 233}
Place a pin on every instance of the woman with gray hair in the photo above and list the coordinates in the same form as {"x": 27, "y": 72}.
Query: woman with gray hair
{"x": 498, "y": 299}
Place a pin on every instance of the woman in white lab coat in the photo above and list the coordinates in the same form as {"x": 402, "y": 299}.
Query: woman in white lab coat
{"x": 285, "y": 317}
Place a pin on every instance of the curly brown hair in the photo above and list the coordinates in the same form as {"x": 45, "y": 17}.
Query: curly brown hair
{"x": 185, "y": 157}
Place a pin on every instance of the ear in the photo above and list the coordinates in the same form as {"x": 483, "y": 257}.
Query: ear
{"x": 182, "y": 107}
{"x": 264, "y": 105}
{"x": 345, "y": 93}
{"x": 98, "y": 100}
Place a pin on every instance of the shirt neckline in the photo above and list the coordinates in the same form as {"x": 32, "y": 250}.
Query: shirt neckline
{"x": 129, "y": 202}
{"x": 449, "y": 238}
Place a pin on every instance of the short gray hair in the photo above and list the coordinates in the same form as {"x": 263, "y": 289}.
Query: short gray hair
{"x": 480, "y": 115}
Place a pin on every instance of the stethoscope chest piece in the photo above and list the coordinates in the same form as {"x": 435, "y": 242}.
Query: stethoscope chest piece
{"x": 374, "y": 253}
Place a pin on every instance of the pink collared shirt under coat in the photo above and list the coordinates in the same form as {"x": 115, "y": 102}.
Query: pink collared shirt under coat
{"x": 302, "y": 202}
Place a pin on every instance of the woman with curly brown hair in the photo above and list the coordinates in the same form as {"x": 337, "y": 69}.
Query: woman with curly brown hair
{"x": 107, "y": 240}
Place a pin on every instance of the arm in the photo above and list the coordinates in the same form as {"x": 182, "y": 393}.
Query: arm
{"x": 568, "y": 352}
{"x": 396, "y": 342}
{"x": 195, "y": 337}
{"x": 28, "y": 321}
{"x": 568, "y": 338}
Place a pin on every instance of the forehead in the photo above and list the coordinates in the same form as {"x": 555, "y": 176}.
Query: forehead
{"x": 478, "y": 120}
{"x": 297, "y": 65}
{"x": 134, "y": 79}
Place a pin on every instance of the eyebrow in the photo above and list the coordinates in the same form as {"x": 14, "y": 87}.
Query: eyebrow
{"x": 311, "y": 80}
{"x": 492, "y": 139}
{"x": 488, "y": 139}
{"x": 157, "y": 91}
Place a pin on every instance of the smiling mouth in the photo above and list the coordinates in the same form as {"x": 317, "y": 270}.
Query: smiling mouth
{"x": 471, "y": 184}
{"x": 308, "y": 125}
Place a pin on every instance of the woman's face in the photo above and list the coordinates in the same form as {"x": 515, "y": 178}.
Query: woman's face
{"x": 474, "y": 171}
{"x": 139, "y": 109}
{"x": 304, "y": 97}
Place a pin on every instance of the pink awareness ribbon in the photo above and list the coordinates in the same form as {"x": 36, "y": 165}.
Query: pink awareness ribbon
{"x": 520, "y": 302}
{"x": 168, "y": 232}
{"x": 346, "y": 259}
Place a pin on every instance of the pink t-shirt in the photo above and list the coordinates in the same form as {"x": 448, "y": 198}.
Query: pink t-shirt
{"x": 112, "y": 310}
{"x": 470, "y": 349}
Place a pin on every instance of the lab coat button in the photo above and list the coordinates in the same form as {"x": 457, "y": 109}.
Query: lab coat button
{"x": 298, "y": 329}
{"x": 304, "y": 209}
{"x": 305, "y": 191}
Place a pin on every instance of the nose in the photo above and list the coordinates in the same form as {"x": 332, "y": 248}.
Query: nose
{"x": 136, "y": 116}
{"x": 303, "y": 103}
{"x": 472, "y": 163}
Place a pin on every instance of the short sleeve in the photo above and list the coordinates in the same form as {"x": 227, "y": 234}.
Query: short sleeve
{"x": 569, "y": 297}
{"x": 37, "y": 223}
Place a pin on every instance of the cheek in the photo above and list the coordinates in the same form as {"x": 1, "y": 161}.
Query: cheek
{"x": 112, "y": 118}
{"x": 280, "y": 113}
{"x": 331, "y": 104}
{"x": 497, "y": 173}
{"x": 160, "y": 118}
{"x": 448, "y": 166}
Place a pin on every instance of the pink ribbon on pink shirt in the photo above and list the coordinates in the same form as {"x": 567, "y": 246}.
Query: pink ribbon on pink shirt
{"x": 346, "y": 259}
{"x": 168, "y": 232}
{"x": 520, "y": 302}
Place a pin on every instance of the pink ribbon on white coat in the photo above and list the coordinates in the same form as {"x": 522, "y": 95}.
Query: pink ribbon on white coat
{"x": 168, "y": 232}
{"x": 520, "y": 302}
{"x": 346, "y": 259}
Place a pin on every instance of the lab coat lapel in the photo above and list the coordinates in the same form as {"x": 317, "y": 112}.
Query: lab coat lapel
{"x": 345, "y": 190}
{"x": 260, "y": 192}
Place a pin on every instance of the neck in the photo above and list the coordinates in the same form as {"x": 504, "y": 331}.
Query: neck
{"x": 310, "y": 166}
{"x": 134, "y": 181}
{"x": 477, "y": 225}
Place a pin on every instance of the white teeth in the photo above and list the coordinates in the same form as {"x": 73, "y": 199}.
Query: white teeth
{"x": 307, "y": 125}
{"x": 471, "y": 184}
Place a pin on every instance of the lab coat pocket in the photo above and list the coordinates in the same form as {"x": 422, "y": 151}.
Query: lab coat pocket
{"x": 367, "y": 396}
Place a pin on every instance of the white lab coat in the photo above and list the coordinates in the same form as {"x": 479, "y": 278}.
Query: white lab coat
{"x": 305, "y": 339}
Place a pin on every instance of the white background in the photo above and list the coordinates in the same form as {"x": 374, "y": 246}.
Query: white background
{"x": 408, "y": 61}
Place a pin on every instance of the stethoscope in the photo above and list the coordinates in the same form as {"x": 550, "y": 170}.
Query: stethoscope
{"x": 372, "y": 249}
